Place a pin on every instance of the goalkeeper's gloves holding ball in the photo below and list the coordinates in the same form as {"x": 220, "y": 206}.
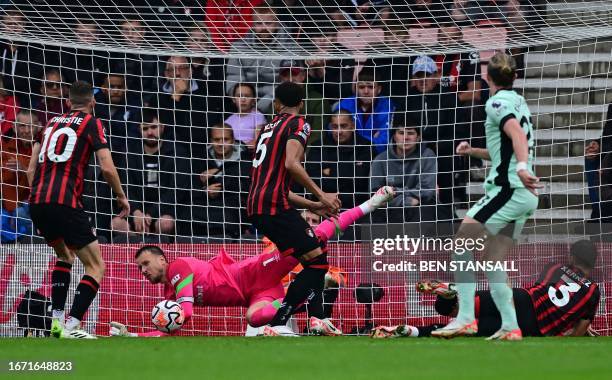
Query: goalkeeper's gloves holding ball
{"x": 119, "y": 329}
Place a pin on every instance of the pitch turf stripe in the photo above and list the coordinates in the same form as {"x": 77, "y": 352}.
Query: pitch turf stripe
{"x": 184, "y": 283}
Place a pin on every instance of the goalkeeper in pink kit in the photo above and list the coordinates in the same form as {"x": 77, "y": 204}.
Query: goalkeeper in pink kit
{"x": 254, "y": 283}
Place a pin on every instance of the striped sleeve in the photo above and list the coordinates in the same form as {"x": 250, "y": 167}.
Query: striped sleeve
{"x": 299, "y": 129}
{"x": 97, "y": 134}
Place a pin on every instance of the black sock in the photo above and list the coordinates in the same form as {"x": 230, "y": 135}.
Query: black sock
{"x": 315, "y": 305}
{"x": 83, "y": 296}
{"x": 425, "y": 331}
{"x": 330, "y": 295}
{"x": 307, "y": 283}
{"x": 60, "y": 281}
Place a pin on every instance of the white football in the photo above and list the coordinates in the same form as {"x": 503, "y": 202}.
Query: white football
{"x": 167, "y": 316}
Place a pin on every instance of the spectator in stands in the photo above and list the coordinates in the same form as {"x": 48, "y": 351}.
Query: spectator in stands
{"x": 595, "y": 152}
{"x": 332, "y": 78}
{"x": 208, "y": 70}
{"x": 53, "y": 101}
{"x": 141, "y": 70}
{"x": 229, "y": 20}
{"x": 427, "y": 13}
{"x": 435, "y": 110}
{"x": 223, "y": 179}
{"x": 119, "y": 111}
{"x": 84, "y": 63}
{"x": 316, "y": 108}
{"x": 373, "y": 113}
{"x": 120, "y": 114}
{"x": 9, "y": 106}
{"x": 604, "y": 205}
{"x": 411, "y": 168}
{"x": 158, "y": 182}
{"x": 20, "y": 63}
{"x": 15, "y": 155}
{"x": 342, "y": 162}
{"x": 247, "y": 121}
{"x": 460, "y": 75}
{"x": 265, "y": 34}
{"x": 487, "y": 11}
{"x": 184, "y": 106}
{"x": 360, "y": 13}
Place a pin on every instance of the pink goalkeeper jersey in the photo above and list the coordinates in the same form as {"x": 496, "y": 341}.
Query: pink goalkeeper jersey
{"x": 203, "y": 283}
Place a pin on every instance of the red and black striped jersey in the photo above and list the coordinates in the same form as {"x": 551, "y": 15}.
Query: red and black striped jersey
{"x": 561, "y": 297}
{"x": 66, "y": 146}
{"x": 270, "y": 181}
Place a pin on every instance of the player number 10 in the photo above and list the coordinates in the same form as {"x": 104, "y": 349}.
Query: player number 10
{"x": 50, "y": 142}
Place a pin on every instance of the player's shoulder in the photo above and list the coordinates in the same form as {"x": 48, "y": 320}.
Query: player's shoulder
{"x": 504, "y": 102}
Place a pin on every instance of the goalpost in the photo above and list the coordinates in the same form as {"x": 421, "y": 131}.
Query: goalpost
{"x": 184, "y": 65}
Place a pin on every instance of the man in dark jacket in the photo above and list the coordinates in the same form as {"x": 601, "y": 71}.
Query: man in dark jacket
{"x": 158, "y": 182}
{"x": 221, "y": 185}
{"x": 184, "y": 106}
{"x": 342, "y": 163}
{"x": 435, "y": 111}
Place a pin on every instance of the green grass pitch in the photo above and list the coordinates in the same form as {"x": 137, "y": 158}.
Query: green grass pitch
{"x": 316, "y": 358}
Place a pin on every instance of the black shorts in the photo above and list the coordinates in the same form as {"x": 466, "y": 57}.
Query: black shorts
{"x": 289, "y": 231}
{"x": 58, "y": 223}
{"x": 489, "y": 319}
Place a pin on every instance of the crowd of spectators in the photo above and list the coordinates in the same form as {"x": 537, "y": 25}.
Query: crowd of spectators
{"x": 183, "y": 130}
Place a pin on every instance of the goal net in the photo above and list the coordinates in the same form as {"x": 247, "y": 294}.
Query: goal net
{"x": 392, "y": 87}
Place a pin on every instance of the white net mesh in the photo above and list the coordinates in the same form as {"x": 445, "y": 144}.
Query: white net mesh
{"x": 192, "y": 67}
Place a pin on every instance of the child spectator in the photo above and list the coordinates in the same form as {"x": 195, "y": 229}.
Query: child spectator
{"x": 247, "y": 121}
{"x": 409, "y": 167}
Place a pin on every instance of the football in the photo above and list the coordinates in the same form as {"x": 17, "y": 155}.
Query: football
{"x": 167, "y": 316}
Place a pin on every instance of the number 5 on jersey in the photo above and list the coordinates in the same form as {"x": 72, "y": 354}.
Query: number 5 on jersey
{"x": 261, "y": 148}
{"x": 50, "y": 142}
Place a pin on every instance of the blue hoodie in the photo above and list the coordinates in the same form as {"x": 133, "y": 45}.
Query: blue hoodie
{"x": 375, "y": 126}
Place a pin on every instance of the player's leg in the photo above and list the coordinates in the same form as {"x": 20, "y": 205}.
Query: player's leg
{"x": 261, "y": 312}
{"x": 262, "y": 309}
{"x": 78, "y": 236}
{"x": 44, "y": 218}
{"x": 60, "y": 282}
{"x": 87, "y": 289}
{"x": 506, "y": 225}
{"x": 334, "y": 227}
{"x": 403, "y": 331}
{"x": 465, "y": 283}
{"x": 307, "y": 283}
{"x": 294, "y": 237}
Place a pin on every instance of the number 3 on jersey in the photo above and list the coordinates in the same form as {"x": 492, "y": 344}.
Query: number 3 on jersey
{"x": 50, "y": 142}
{"x": 565, "y": 290}
{"x": 260, "y": 152}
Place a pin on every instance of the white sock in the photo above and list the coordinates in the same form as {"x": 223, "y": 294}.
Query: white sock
{"x": 466, "y": 289}
{"x": 58, "y": 314}
{"x": 502, "y": 296}
{"x": 72, "y": 323}
{"x": 412, "y": 331}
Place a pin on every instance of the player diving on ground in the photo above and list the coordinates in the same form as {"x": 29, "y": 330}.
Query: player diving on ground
{"x": 254, "y": 283}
